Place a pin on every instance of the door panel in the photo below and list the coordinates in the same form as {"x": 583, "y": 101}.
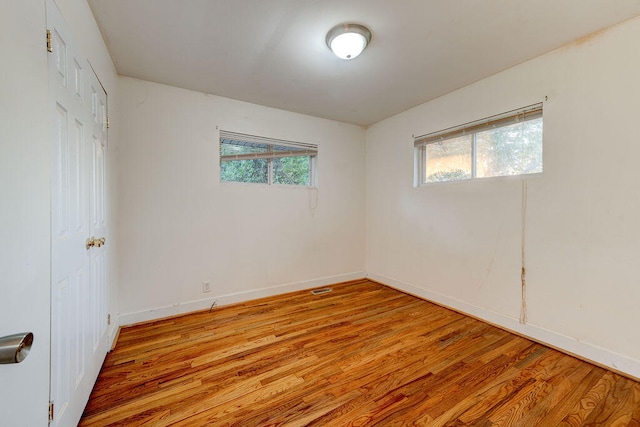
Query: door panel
{"x": 98, "y": 206}
{"x": 78, "y": 271}
{"x": 25, "y": 219}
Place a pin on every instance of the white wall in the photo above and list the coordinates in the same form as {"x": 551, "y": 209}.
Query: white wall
{"x": 180, "y": 226}
{"x": 459, "y": 244}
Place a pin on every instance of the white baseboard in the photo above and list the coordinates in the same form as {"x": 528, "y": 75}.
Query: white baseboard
{"x": 113, "y": 330}
{"x": 221, "y": 300}
{"x": 583, "y": 350}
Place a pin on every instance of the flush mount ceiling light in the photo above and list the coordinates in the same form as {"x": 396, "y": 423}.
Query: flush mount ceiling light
{"x": 348, "y": 40}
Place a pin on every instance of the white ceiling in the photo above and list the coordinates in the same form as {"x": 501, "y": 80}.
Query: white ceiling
{"x": 273, "y": 52}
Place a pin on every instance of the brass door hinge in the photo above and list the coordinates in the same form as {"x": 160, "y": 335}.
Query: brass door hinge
{"x": 108, "y": 319}
{"x": 49, "y": 42}
{"x": 50, "y": 411}
{"x": 107, "y": 123}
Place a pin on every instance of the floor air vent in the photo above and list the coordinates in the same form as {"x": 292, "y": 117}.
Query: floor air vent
{"x": 321, "y": 291}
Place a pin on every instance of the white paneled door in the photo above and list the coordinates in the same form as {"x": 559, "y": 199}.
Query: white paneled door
{"x": 79, "y": 231}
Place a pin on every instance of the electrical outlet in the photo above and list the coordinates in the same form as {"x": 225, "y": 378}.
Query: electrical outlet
{"x": 206, "y": 287}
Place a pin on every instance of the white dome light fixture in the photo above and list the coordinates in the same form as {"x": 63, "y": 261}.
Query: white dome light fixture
{"x": 348, "y": 40}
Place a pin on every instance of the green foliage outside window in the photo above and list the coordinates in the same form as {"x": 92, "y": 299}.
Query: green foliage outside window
{"x": 453, "y": 175}
{"x": 510, "y": 150}
{"x": 292, "y": 170}
{"x": 255, "y": 159}
{"x": 254, "y": 170}
{"x": 286, "y": 170}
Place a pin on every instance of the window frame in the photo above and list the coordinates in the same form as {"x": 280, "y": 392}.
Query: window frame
{"x": 297, "y": 149}
{"x": 531, "y": 112}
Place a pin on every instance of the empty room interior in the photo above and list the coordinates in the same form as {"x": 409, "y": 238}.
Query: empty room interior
{"x": 214, "y": 214}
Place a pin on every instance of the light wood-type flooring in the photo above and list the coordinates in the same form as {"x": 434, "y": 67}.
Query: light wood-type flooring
{"x": 364, "y": 354}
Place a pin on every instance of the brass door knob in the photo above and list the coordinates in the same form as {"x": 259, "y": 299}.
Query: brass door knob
{"x": 92, "y": 242}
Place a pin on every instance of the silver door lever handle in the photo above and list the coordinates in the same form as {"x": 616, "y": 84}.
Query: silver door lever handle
{"x": 15, "y": 348}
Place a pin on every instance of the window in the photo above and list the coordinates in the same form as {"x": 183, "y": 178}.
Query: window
{"x": 248, "y": 158}
{"x": 502, "y": 145}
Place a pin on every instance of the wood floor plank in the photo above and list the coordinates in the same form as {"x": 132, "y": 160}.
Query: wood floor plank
{"x": 362, "y": 354}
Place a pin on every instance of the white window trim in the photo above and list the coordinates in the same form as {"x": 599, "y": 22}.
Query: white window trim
{"x": 529, "y": 112}
{"x": 298, "y": 149}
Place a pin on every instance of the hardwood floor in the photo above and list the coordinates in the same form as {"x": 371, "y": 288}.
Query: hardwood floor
{"x": 364, "y": 354}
